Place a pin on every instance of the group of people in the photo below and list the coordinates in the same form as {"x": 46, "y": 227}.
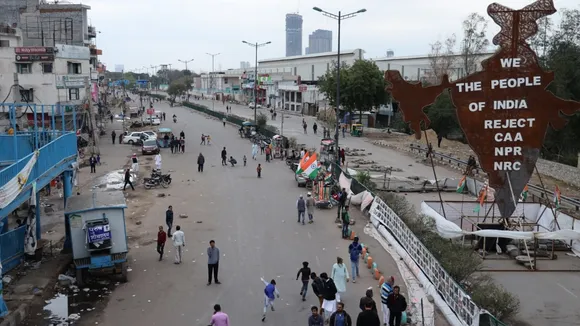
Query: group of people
{"x": 177, "y": 145}
{"x": 205, "y": 139}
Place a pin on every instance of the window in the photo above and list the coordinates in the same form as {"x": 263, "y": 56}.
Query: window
{"x": 47, "y": 68}
{"x": 74, "y": 68}
{"x": 4, "y": 43}
{"x": 73, "y": 94}
{"x": 24, "y": 68}
{"x": 225, "y": 80}
{"x": 27, "y": 95}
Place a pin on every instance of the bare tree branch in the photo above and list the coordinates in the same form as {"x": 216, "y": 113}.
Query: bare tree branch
{"x": 474, "y": 42}
{"x": 441, "y": 59}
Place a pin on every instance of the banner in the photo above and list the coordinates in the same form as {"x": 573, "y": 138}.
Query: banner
{"x": 13, "y": 188}
{"x": 98, "y": 233}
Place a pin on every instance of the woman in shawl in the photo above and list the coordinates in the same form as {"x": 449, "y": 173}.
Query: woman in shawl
{"x": 340, "y": 276}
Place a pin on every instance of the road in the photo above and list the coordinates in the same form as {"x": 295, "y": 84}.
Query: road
{"x": 560, "y": 297}
{"x": 253, "y": 222}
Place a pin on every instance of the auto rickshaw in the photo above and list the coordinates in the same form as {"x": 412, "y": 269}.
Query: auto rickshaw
{"x": 161, "y": 137}
{"x": 327, "y": 150}
{"x": 248, "y": 129}
{"x": 356, "y": 130}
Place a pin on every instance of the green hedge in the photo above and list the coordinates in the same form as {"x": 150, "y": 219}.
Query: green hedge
{"x": 203, "y": 109}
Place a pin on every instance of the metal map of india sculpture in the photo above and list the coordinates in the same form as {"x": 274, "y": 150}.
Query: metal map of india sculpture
{"x": 504, "y": 110}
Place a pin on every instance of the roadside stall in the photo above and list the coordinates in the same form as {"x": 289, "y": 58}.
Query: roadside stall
{"x": 327, "y": 150}
{"x": 96, "y": 229}
{"x": 161, "y": 137}
{"x": 278, "y": 146}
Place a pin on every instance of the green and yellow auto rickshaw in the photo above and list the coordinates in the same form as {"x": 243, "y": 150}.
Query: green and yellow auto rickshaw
{"x": 247, "y": 129}
{"x": 356, "y": 130}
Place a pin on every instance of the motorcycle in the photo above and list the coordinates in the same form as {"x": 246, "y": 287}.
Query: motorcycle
{"x": 157, "y": 173}
{"x": 154, "y": 182}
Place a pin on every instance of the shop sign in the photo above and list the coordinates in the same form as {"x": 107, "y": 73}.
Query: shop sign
{"x": 29, "y": 50}
{"x": 504, "y": 110}
{"x": 34, "y": 57}
{"x": 70, "y": 81}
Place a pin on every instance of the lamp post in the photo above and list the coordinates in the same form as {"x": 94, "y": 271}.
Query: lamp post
{"x": 154, "y": 74}
{"x": 185, "y": 61}
{"x": 338, "y": 17}
{"x": 211, "y": 76}
{"x": 256, "y": 45}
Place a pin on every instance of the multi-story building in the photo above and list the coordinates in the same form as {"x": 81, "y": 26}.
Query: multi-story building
{"x": 244, "y": 65}
{"x": 319, "y": 41}
{"x": 293, "y": 35}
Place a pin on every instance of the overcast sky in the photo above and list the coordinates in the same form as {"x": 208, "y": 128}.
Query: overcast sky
{"x": 139, "y": 33}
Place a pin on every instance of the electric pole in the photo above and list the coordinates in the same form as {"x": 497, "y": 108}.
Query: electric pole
{"x": 186, "y": 62}
{"x": 256, "y": 45}
{"x": 211, "y": 77}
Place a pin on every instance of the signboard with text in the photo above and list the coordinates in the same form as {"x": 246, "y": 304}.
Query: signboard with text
{"x": 34, "y": 57}
{"x": 505, "y": 109}
{"x": 34, "y": 50}
{"x": 70, "y": 81}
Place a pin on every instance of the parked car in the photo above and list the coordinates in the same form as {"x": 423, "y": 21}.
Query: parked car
{"x": 150, "y": 146}
{"x": 136, "y": 137}
{"x": 251, "y": 105}
{"x": 153, "y": 121}
{"x": 150, "y": 133}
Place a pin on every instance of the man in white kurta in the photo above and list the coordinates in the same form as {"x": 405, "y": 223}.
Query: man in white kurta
{"x": 158, "y": 161}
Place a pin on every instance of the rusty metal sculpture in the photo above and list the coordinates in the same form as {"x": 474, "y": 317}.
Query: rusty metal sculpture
{"x": 504, "y": 110}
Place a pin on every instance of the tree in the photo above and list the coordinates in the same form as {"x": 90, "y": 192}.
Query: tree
{"x": 474, "y": 42}
{"x": 365, "y": 87}
{"x": 176, "y": 89}
{"x": 541, "y": 41}
{"x": 443, "y": 117}
{"x": 441, "y": 59}
{"x": 327, "y": 84}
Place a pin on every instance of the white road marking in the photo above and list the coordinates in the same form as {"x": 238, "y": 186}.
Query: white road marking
{"x": 569, "y": 292}
{"x": 317, "y": 261}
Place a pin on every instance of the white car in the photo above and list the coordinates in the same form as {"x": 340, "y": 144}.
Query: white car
{"x": 135, "y": 137}
{"x": 251, "y": 105}
{"x": 153, "y": 121}
{"x": 150, "y": 133}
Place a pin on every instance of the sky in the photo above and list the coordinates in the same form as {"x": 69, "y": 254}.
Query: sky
{"x": 138, "y": 33}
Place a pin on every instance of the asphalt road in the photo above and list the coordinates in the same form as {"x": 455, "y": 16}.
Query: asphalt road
{"x": 253, "y": 222}
{"x": 546, "y": 297}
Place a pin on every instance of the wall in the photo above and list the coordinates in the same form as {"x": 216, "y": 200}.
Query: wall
{"x": 55, "y": 16}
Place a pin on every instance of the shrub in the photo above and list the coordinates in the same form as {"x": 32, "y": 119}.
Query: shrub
{"x": 460, "y": 262}
{"x": 261, "y": 120}
{"x": 364, "y": 178}
{"x": 292, "y": 142}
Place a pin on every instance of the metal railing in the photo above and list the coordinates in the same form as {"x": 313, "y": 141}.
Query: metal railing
{"x": 534, "y": 190}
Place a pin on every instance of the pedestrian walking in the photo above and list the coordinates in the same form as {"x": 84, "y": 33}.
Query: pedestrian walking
{"x": 268, "y": 151}
{"x": 254, "y": 151}
{"x": 270, "y": 294}
{"x": 224, "y": 157}
{"x": 161, "y": 238}
{"x": 219, "y": 318}
{"x": 128, "y": 180}
{"x": 245, "y": 160}
{"x": 224, "y": 121}
{"x": 178, "y": 243}
{"x": 386, "y": 290}
{"x": 329, "y": 296}
{"x": 98, "y": 159}
{"x": 315, "y": 319}
{"x": 368, "y": 299}
{"x": 396, "y": 303}
{"x": 202, "y": 139}
{"x": 113, "y": 136}
{"x": 172, "y": 145}
{"x": 301, "y": 206}
{"x": 317, "y": 288}
{"x": 163, "y": 116}
{"x": 305, "y": 126}
{"x": 182, "y": 144}
{"x": 120, "y": 138}
{"x": 368, "y": 317}
{"x": 354, "y": 250}
{"x": 169, "y": 219}
{"x": 262, "y": 148}
{"x": 93, "y": 163}
{"x": 345, "y": 222}
{"x": 111, "y": 117}
{"x": 342, "y": 155}
{"x": 158, "y": 161}
{"x": 213, "y": 262}
{"x": 135, "y": 163}
{"x": 304, "y": 274}
{"x": 343, "y": 131}
{"x": 259, "y": 170}
{"x": 182, "y": 134}
{"x": 200, "y": 162}
{"x": 340, "y": 316}
{"x": 343, "y": 195}
{"x": 340, "y": 276}
{"x": 314, "y": 128}
{"x": 310, "y": 207}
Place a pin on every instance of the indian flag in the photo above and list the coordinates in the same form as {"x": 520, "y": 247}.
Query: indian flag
{"x": 308, "y": 166}
{"x": 524, "y": 194}
{"x": 328, "y": 177}
{"x": 481, "y": 199}
{"x": 461, "y": 185}
{"x": 557, "y": 197}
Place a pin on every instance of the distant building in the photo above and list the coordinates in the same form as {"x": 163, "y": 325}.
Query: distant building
{"x": 319, "y": 41}
{"x": 293, "y": 35}
{"x": 244, "y": 65}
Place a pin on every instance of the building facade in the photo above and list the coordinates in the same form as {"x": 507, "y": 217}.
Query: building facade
{"x": 293, "y": 35}
{"x": 319, "y": 41}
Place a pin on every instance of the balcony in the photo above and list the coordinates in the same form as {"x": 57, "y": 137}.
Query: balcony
{"x": 92, "y": 32}
{"x": 95, "y": 51}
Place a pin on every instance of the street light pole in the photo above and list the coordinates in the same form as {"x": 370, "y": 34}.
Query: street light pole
{"x": 154, "y": 74}
{"x": 256, "y": 45}
{"x": 211, "y": 77}
{"x": 186, "y": 62}
{"x": 338, "y": 17}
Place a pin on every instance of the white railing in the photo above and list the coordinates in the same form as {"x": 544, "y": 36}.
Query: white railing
{"x": 455, "y": 297}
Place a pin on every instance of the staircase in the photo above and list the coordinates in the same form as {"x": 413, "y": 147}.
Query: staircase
{"x": 56, "y": 151}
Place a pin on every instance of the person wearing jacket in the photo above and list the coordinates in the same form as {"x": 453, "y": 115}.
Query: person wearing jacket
{"x": 317, "y": 287}
{"x": 396, "y": 304}
{"x": 368, "y": 298}
{"x": 315, "y": 319}
{"x": 329, "y": 295}
{"x": 305, "y": 272}
{"x": 270, "y": 294}
{"x": 368, "y": 317}
{"x": 200, "y": 162}
{"x": 340, "y": 317}
{"x": 169, "y": 220}
{"x": 355, "y": 250}
{"x": 301, "y": 207}
{"x": 386, "y": 290}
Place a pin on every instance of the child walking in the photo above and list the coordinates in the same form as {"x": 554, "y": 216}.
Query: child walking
{"x": 259, "y": 170}
{"x": 270, "y": 294}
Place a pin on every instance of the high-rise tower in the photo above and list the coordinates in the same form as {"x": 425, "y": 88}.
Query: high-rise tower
{"x": 293, "y": 35}
{"x": 320, "y": 41}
